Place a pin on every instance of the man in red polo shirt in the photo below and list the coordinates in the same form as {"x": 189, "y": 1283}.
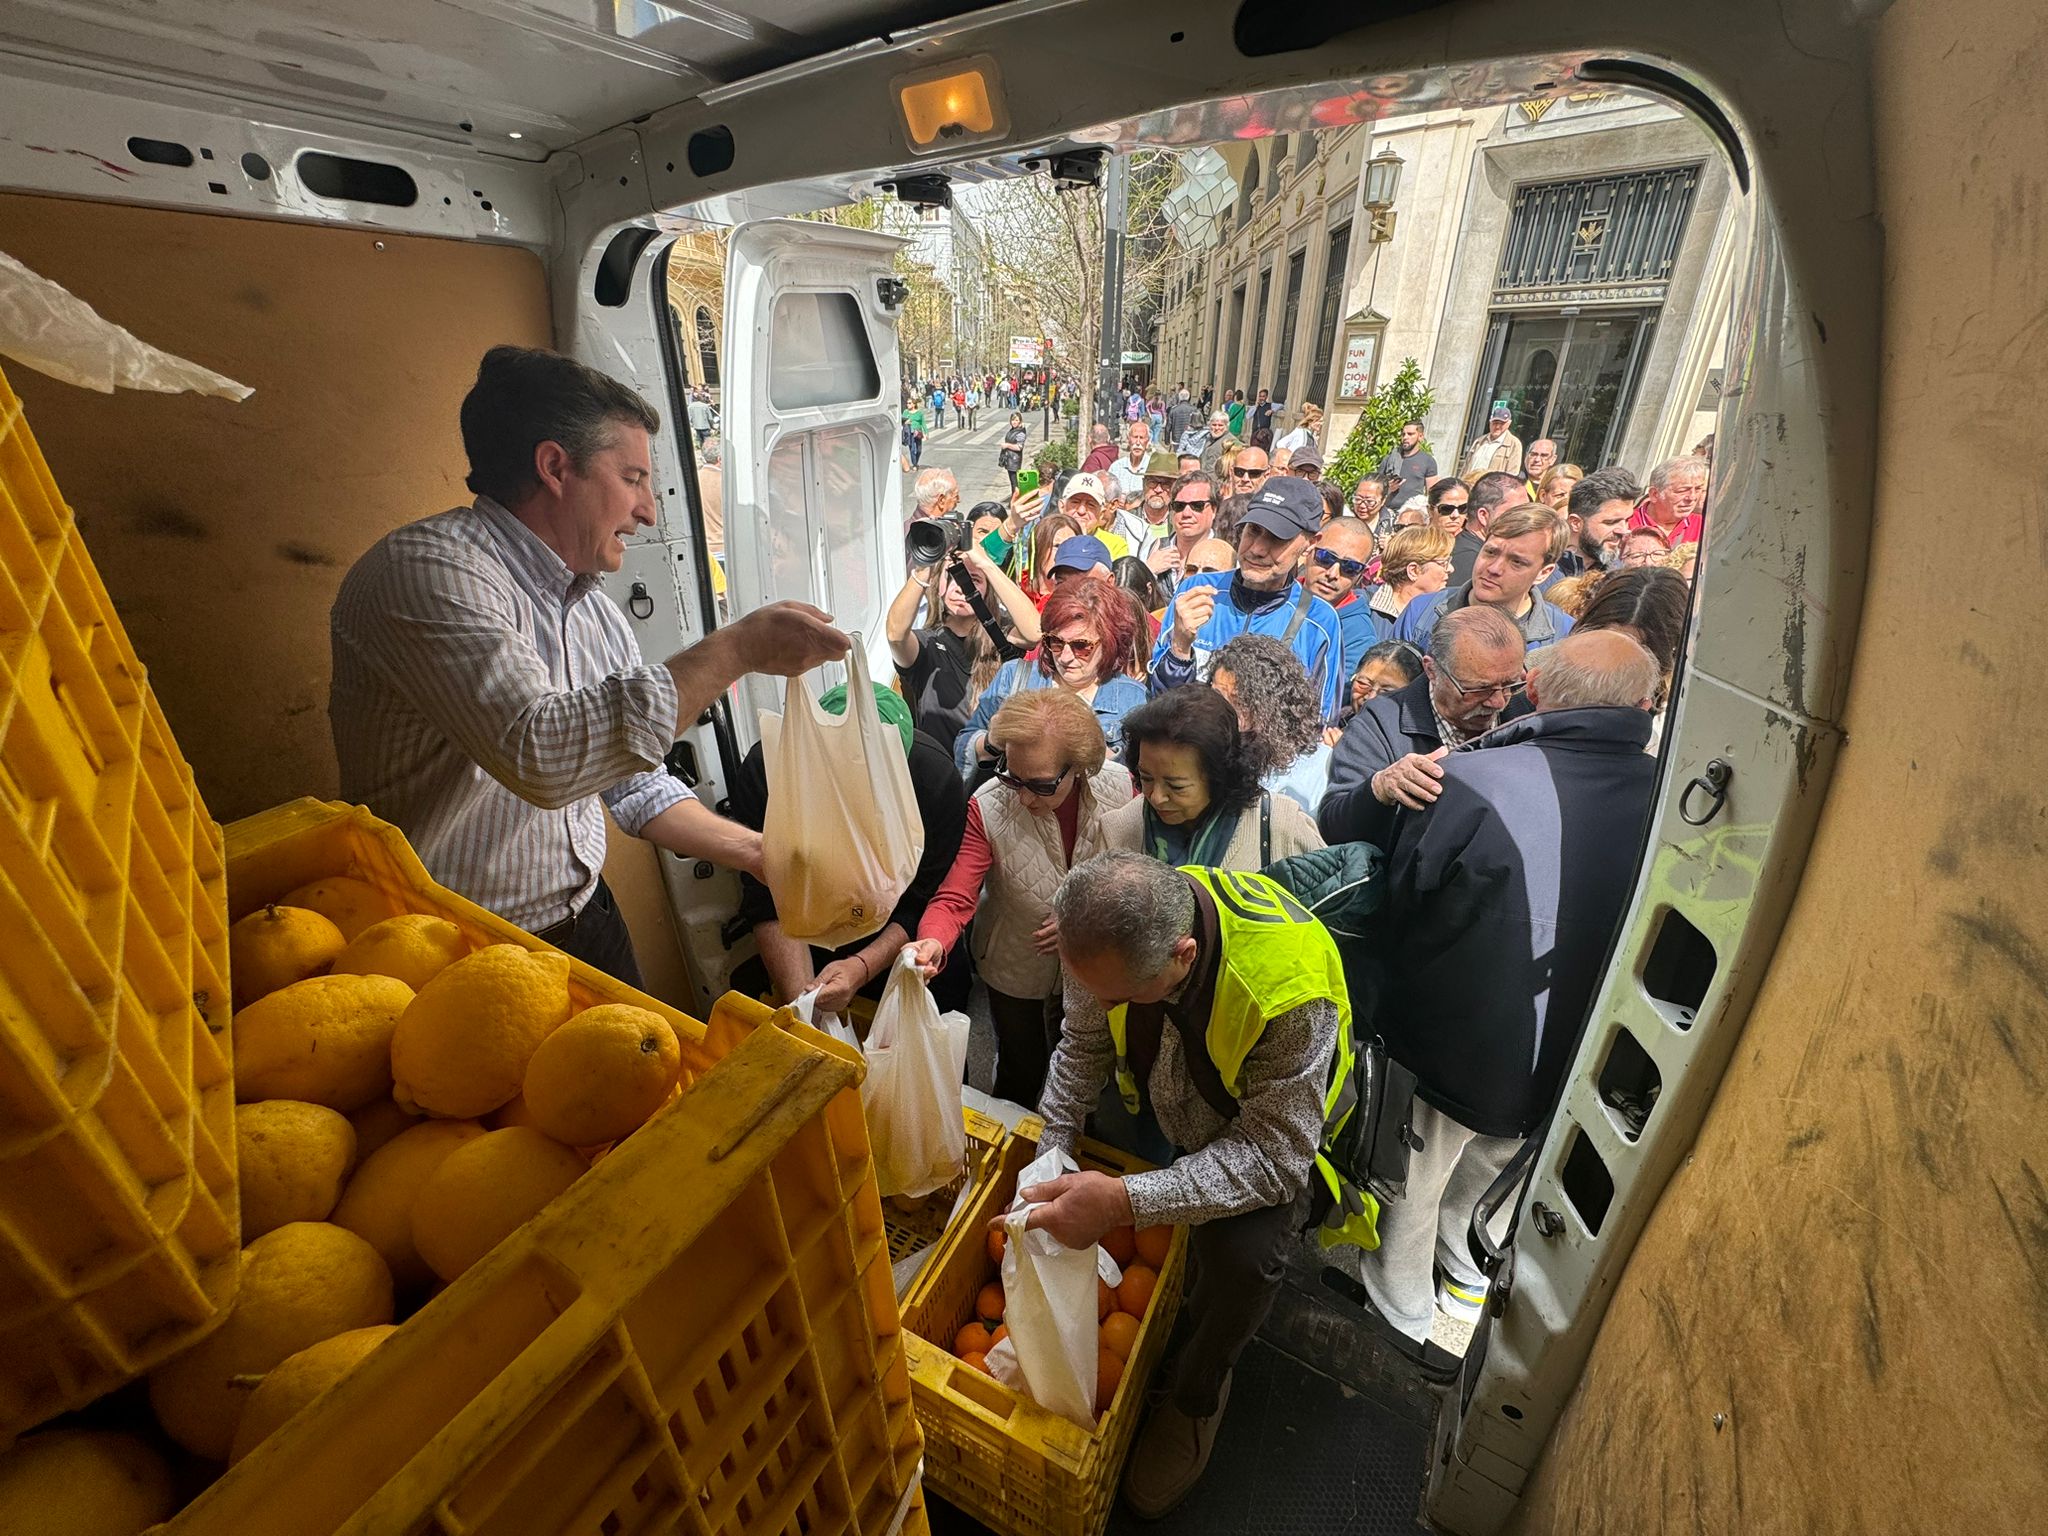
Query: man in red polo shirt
{"x": 1674, "y": 507}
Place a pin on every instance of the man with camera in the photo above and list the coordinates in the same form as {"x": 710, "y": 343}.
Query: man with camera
{"x": 938, "y": 663}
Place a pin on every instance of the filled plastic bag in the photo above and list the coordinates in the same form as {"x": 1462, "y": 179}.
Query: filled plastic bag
{"x": 912, "y": 1091}
{"x": 842, "y": 836}
{"x": 1050, "y": 1351}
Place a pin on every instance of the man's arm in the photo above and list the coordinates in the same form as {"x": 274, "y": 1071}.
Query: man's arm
{"x": 1265, "y": 1156}
{"x": 1080, "y": 1066}
{"x": 782, "y": 640}
{"x": 690, "y": 829}
{"x": 1350, "y": 813}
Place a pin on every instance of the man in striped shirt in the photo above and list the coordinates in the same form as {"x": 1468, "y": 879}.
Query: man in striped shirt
{"x": 492, "y": 703}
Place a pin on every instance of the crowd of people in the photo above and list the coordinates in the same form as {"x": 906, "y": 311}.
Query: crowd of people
{"x": 928, "y": 404}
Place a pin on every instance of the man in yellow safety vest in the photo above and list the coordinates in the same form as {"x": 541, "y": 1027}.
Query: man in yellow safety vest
{"x": 1217, "y": 1001}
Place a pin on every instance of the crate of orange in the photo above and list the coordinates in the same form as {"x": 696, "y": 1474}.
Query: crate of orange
{"x": 989, "y": 1449}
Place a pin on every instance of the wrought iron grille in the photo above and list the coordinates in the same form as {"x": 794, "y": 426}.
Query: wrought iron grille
{"x": 1610, "y": 231}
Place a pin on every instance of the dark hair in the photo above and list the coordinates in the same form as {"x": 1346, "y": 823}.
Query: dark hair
{"x": 1333, "y": 502}
{"x": 983, "y": 509}
{"x": 1136, "y": 578}
{"x": 1648, "y": 600}
{"x": 1444, "y": 487}
{"x": 1490, "y": 490}
{"x": 1195, "y": 477}
{"x": 1396, "y": 653}
{"x": 526, "y": 396}
{"x": 1415, "y": 422}
{"x": 1274, "y": 693}
{"x": 1103, "y": 606}
{"x": 1594, "y": 491}
{"x": 1229, "y": 513}
{"x": 1199, "y": 717}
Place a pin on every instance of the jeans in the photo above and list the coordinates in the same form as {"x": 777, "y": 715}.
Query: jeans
{"x": 598, "y": 936}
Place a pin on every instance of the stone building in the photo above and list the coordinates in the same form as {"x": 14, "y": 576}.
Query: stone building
{"x": 1571, "y": 256}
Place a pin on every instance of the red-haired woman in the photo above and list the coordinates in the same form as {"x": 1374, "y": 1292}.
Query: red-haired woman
{"x": 1086, "y": 627}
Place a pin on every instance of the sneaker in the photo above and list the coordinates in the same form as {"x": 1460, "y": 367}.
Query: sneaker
{"x": 1458, "y": 1301}
{"x": 1170, "y": 1456}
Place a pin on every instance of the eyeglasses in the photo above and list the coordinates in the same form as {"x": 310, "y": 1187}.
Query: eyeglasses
{"x": 1507, "y": 688}
{"x": 1196, "y": 506}
{"x": 1326, "y": 558}
{"x": 1082, "y": 649}
{"x": 1042, "y": 787}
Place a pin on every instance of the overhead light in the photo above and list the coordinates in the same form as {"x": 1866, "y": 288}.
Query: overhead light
{"x": 515, "y": 134}
{"x": 954, "y": 103}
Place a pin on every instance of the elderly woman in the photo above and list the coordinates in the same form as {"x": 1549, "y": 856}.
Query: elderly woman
{"x": 1086, "y": 628}
{"x": 1279, "y": 713}
{"x": 1201, "y": 800}
{"x": 1415, "y": 561}
{"x": 1040, "y": 815}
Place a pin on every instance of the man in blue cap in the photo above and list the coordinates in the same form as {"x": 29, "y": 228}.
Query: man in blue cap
{"x": 1082, "y": 555}
{"x": 1261, "y": 597}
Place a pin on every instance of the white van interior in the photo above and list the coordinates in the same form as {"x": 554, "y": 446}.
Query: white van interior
{"x": 344, "y": 208}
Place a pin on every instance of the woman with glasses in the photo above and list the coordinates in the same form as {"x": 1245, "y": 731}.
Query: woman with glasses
{"x": 1040, "y": 814}
{"x": 1415, "y": 561}
{"x": 1200, "y": 799}
{"x": 1086, "y": 627}
{"x": 1447, "y": 499}
{"x": 1279, "y": 712}
{"x": 1385, "y": 668}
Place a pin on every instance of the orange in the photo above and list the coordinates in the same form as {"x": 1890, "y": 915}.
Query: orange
{"x": 1109, "y": 1370}
{"x": 998, "y": 1240}
{"x": 1135, "y": 1294}
{"x": 1153, "y": 1243}
{"x": 1002, "y": 1332}
{"x": 1105, "y": 1299}
{"x": 988, "y": 1306}
{"x": 979, "y": 1362}
{"x": 974, "y": 1339}
{"x": 1121, "y": 1244}
{"x": 600, "y": 1075}
{"x": 1120, "y": 1334}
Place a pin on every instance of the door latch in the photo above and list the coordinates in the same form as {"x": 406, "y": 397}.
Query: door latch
{"x": 892, "y": 291}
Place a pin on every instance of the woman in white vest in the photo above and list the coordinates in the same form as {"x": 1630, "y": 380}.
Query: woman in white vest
{"x": 1040, "y": 815}
{"x": 1201, "y": 801}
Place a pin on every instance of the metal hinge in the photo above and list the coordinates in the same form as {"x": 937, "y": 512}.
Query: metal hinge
{"x": 892, "y": 291}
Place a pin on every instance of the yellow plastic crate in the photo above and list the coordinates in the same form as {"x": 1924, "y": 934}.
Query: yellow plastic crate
{"x": 992, "y": 1452}
{"x": 119, "y": 1225}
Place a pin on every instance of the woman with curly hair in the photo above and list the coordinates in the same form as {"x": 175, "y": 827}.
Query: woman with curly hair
{"x": 1086, "y": 628}
{"x": 1279, "y": 713}
{"x": 1200, "y": 800}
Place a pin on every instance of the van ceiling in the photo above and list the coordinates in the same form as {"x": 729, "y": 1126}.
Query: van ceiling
{"x": 518, "y": 77}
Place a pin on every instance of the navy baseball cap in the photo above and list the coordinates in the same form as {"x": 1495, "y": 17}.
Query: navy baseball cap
{"x": 1286, "y": 507}
{"x": 1083, "y": 553}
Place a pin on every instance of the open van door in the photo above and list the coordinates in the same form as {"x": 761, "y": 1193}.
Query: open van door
{"x": 813, "y": 486}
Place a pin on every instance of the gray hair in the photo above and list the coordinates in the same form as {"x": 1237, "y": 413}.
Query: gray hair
{"x": 1685, "y": 464}
{"x": 1602, "y": 667}
{"x": 932, "y": 486}
{"x": 1594, "y": 491}
{"x": 1130, "y": 904}
{"x": 1472, "y": 629}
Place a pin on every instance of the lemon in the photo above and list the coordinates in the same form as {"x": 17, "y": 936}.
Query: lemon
{"x": 292, "y": 1159}
{"x": 348, "y": 903}
{"x": 601, "y": 1074}
{"x": 377, "y": 1122}
{"x": 415, "y": 948}
{"x": 326, "y": 1040}
{"x": 483, "y": 1191}
{"x": 462, "y": 1047}
{"x": 305, "y": 1282}
{"x": 377, "y": 1205}
{"x": 83, "y": 1482}
{"x": 290, "y": 1385}
{"x": 275, "y": 946}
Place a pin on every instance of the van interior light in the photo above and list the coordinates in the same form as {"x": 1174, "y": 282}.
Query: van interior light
{"x": 964, "y": 103}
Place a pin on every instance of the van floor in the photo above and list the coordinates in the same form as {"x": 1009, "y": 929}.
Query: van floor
{"x": 1326, "y": 1431}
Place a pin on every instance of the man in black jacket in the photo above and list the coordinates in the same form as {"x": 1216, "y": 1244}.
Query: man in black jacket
{"x": 1390, "y": 754}
{"x": 1502, "y": 899}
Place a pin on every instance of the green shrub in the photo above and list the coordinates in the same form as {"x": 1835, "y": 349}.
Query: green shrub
{"x": 1378, "y": 431}
{"x": 1059, "y": 453}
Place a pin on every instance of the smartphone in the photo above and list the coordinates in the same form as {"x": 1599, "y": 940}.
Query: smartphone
{"x": 1027, "y": 480}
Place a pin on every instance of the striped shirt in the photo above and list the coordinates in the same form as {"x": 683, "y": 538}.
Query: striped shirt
{"x": 492, "y": 704}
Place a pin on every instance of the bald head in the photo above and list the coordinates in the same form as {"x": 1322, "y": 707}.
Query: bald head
{"x": 1212, "y": 555}
{"x": 1599, "y": 668}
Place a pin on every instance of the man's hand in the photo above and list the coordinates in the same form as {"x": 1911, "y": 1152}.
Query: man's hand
{"x": 1191, "y": 610}
{"x": 1414, "y": 781}
{"x": 1164, "y": 560}
{"x": 1047, "y": 939}
{"x": 784, "y": 640}
{"x": 928, "y": 955}
{"x": 838, "y": 982}
{"x": 1076, "y": 1208}
{"x": 747, "y": 857}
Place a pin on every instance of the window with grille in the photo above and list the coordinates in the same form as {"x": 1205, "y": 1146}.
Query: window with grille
{"x": 1259, "y": 326}
{"x": 1290, "y": 316}
{"x": 1609, "y": 237}
{"x": 1332, "y": 309}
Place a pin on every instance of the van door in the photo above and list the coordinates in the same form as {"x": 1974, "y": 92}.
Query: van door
{"x": 813, "y": 485}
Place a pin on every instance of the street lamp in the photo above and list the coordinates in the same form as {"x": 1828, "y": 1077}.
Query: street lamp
{"x": 1382, "y": 183}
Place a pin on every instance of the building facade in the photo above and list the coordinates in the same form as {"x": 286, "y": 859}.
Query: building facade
{"x": 1571, "y": 257}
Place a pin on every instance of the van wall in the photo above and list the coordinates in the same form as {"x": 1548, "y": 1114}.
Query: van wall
{"x": 1837, "y": 1316}
{"x": 223, "y": 530}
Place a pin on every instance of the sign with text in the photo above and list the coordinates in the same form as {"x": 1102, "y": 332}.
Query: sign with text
{"x": 1361, "y": 348}
{"x": 1025, "y": 351}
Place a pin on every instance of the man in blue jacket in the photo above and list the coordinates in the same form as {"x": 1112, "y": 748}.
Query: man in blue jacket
{"x": 1260, "y": 597}
{"x": 1502, "y": 898}
{"x": 1521, "y": 549}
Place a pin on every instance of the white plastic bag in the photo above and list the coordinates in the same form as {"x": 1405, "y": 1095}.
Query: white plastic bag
{"x": 842, "y": 836}
{"x": 1049, "y": 1305}
{"x": 912, "y": 1092}
{"x": 833, "y": 1024}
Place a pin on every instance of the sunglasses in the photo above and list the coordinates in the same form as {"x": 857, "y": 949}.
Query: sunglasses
{"x": 1197, "y": 504}
{"x": 1042, "y": 787}
{"x": 1329, "y": 558}
{"x": 1082, "y": 649}
{"x": 1247, "y": 474}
